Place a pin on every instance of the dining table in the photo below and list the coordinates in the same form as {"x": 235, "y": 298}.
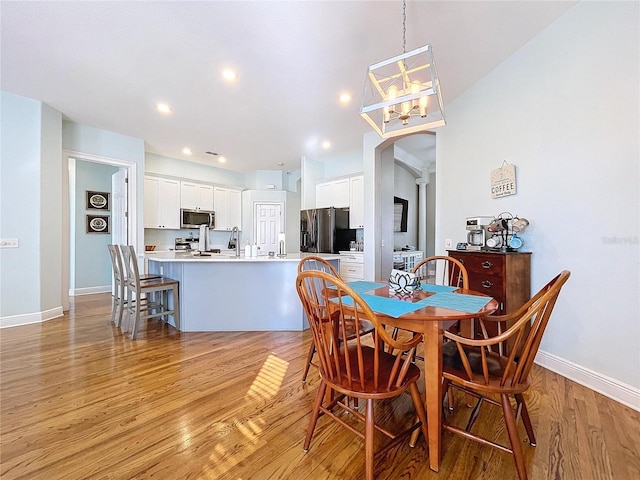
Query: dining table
{"x": 428, "y": 311}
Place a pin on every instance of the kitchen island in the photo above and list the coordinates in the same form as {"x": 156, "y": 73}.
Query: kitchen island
{"x": 223, "y": 292}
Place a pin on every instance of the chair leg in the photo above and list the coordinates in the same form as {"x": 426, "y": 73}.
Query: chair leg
{"x": 176, "y": 306}
{"x": 512, "y": 430}
{"x": 135, "y": 319}
{"x": 312, "y": 350}
{"x": 369, "y": 431}
{"x": 314, "y": 416}
{"x": 522, "y": 406}
{"x": 114, "y": 308}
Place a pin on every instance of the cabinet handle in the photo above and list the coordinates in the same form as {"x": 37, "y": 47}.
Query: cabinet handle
{"x": 487, "y": 264}
{"x": 487, "y": 284}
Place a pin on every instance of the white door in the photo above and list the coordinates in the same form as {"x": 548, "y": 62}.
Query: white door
{"x": 268, "y": 226}
{"x": 119, "y": 217}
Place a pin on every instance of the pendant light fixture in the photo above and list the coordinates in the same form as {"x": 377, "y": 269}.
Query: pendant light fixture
{"x": 402, "y": 94}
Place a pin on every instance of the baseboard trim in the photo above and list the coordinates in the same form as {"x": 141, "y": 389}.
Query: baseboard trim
{"x": 609, "y": 387}
{"x": 29, "y": 318}
{"x": 89, "y": 290}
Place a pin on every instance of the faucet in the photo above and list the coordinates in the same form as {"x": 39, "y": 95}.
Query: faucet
{"x": 234, "y": 240}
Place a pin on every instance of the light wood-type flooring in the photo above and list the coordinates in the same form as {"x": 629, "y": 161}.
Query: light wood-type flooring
{"x": 80, "y": 400}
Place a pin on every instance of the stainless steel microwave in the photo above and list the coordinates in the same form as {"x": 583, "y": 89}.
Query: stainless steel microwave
{"x": 190, "y": 218}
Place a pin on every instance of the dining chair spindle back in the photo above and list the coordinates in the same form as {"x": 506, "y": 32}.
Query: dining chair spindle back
{"x": 349, "y": 367}
{"x": 313, "y": 262}
{"x": 479, "y": 368}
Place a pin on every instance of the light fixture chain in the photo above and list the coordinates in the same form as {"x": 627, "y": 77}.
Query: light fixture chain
{"x": 404, "y": 26}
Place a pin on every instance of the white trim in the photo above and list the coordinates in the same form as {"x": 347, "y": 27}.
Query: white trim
{"x": 29, "y": 318}
{"x": 607, "y": 386}
{"x": 89, "y": 290}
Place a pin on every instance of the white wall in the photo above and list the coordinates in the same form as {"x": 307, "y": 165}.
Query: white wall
{"x": 564, "y": 110}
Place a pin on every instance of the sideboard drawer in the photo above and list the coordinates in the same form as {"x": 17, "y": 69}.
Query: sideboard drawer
{"x": 482, "y": 264}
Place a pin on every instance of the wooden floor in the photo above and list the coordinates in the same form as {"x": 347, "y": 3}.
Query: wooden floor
{"x": 80, "y": 400}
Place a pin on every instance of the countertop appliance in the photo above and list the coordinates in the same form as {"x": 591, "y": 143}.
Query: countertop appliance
{"x": 182, "y": 244}
{"x": 190, "y": 218}
{"x": 477, "y": 232}
{"x": 325, "y": 230}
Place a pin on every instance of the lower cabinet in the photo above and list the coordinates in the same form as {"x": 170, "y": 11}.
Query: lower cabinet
{"x": 352, "y": 266}
{"x": 505, "y": 276}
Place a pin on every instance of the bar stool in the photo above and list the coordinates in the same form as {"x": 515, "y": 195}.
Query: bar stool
{"x": 139, "y": 304}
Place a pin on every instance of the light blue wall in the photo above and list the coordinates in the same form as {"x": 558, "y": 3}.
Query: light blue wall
{"x": 92, "y": 141}
{"x": 20, "y": 217}
{"x": 30, "y": 210}
{"x": 564, "y": 109}
{"x": 92, "y": 261}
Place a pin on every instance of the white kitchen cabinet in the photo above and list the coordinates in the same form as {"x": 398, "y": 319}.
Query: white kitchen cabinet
{"x": 196, "y": 196}
{"x": 227, "y": 203}
{"x": 161, "y": 203}
{"x": 352, "y": 266}
{"x": 334, "y": 193}
{"x": 356, "y": 202}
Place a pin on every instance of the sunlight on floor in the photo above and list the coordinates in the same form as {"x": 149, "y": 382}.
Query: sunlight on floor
{"x": 265, "y": 386}
{"x": 269, "y": 378}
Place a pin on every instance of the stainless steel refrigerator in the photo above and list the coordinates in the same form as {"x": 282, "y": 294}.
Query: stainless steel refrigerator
{"x": 325, "y": 230}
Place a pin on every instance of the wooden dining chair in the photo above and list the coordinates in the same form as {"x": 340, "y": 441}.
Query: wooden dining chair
{"x": 442, "y": 270}
{"x": 139, "y": 303}
{"x": 118, "y": 294}
{"x": 477, "y": 367}
{"x": 313, "y": 262}
{"x": 351, "y": 368}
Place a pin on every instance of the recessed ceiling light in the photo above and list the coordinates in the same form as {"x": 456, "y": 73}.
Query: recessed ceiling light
{"x": 345, "y": 97}
{"x": 326, "y": 144}
{"x": 222, "y": 160}
{"x": 186, "y": 151}
{"x": 229, "y": 74}
{"x": 281, "y": 164}
{"x": 164, "y": 108}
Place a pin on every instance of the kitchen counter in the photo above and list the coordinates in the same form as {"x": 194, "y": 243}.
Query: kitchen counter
{"x": 230, "y": 257}
{"x": 222, "y": 292}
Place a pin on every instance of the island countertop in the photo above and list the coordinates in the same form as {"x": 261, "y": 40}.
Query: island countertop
{"x": 223, "y": 292}
{"x": 227, "y": 257}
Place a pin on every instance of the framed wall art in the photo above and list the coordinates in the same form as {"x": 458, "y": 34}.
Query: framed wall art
{"x": 98, "y": 224}
{"x": 97, "y": 200}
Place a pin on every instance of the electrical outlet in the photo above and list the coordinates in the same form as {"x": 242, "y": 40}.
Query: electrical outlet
{"x": 448, "y": 243}
{"x": 9, "y": 243}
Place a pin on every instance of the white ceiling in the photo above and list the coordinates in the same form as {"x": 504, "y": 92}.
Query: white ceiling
{"x": 107, "y": 64}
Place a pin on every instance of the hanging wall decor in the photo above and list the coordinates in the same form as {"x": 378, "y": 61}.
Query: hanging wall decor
{"x": 503, "y": 181}
{"x": 97, "y": 200}
{"x": 97, "y": 224}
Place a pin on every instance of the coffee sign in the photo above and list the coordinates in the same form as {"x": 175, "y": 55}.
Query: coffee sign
{"x": 503, "y": 181}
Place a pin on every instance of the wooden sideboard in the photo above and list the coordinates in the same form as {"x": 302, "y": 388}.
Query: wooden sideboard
{"x": 506, "y": 276}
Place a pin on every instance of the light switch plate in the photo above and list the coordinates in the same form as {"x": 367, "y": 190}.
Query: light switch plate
{"x": 448, "y": 243}
{"x": 9, "y": 243}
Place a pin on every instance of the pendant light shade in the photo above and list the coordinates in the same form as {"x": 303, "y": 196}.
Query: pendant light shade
{"x": 402, "y": 94}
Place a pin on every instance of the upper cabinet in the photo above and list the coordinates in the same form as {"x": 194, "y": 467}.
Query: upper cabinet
{"x": 196, "y": 196}
{"x": 227, "y": 204}
{"x": 333, "y": 193}
{"x": 161, "y": 203}
{"x": 356, "y": 202}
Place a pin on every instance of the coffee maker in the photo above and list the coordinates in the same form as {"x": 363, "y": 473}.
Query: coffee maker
{"x": 477, "y": 232}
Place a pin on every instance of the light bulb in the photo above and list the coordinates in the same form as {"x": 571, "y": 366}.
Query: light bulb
{"x": 386, "y": 115}
{"x": 423, "y": 105}
{"x": 392, "y": 94}
{"x": 415, "y": 88}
